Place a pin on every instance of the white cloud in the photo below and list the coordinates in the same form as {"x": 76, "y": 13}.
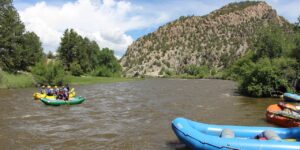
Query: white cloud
{"x": 105, "y": 21}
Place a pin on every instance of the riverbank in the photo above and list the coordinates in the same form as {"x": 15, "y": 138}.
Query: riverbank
{"x": 24, "y": 80}
{"x": 8, "y": 81}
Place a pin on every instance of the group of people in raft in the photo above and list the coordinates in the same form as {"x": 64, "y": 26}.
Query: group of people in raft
{"x": 61, "y": 92}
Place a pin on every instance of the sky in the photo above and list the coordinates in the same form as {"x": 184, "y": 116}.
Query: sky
{"x": 117, "y": 23}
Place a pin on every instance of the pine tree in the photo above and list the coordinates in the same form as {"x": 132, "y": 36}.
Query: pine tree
{"x": 67, "y": 50}
{"x": 11, "y": 30}
{"x": 18, "y": 49}
{"x": 31, "y": 51}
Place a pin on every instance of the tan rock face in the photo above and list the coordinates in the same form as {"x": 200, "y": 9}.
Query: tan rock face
{"x": 216, "y": 40}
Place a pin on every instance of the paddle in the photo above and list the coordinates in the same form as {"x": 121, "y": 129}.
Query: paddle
{"x": 71, "y": 91}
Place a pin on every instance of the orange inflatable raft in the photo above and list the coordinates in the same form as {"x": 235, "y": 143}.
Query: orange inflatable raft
{"x": 279, "y": 115}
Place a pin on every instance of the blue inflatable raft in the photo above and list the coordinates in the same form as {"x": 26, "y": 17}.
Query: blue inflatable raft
{"x": 200, "y": 136}
{"x": 290, "y": 97}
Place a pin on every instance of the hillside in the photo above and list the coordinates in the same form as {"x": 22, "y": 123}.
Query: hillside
{"x": 214, "y": 40}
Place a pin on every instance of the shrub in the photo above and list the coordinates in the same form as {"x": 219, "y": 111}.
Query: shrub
{"x": 271, "y": 43}
{"x": 262, "y": 79}
{"x": 170, "y": 73}
{"x": 157, "y": 63}
{"x": 75, "y": 69}
{"x": 240, "y": 68}
{"x": 18, "y": 80}
{"x": 199, "y": 71}
{"x": 162, "y": 70}
{"x": 49, "y": 73}
{"x": 104, "y": 71}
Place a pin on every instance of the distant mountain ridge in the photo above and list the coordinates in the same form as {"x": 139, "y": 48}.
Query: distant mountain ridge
{"x": 215, "y": 40}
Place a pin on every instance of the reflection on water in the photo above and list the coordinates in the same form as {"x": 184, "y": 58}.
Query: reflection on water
{"x": 133, "y": 115}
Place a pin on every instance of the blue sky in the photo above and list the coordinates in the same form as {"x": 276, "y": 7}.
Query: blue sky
{"x": 117, "y": 23}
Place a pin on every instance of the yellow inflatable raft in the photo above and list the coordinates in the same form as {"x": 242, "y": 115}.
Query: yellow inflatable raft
{"x": 38, "y": 95}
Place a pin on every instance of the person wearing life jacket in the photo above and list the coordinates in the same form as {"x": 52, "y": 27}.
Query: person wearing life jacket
{"x": 60, "y": 94}
{"x": 56, "y": 90}
{"x": 67, "y": 87}
{"x": 43, "y": 89}
{"x": 50, "y": 91}
{"x": 66, "y": 92}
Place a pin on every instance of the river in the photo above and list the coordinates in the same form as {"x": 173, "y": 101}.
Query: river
{"x": 131, "y": 115}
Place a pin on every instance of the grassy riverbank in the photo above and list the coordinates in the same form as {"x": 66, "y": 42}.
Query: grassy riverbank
{"x": 25, "y": 80}
{"x": 15, "y": 80}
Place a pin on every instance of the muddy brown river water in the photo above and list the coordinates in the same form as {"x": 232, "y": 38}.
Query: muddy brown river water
{"x": 133, "y": 115}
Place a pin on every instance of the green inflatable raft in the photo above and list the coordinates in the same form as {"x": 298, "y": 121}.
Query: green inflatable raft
{"x": 57, "y": 102}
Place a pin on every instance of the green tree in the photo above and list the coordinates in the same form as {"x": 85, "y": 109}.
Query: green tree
{"x": 107, "y": 59}
{"x": 31, "y": 51}
{"x": 11, "y": 30}
{"x": 240, "y": 68}
{"x": 78, "y": 52}
{"x": 88, "y": 55}
{"x": 270, "y": 43}
{"x": 287, "y": 67}
{"x": 267, "y": 76}
{"x": 261, "y": 80}
{"x": 18, "y": 49}
{"x": 93, "y": 53}
{"x": 296, "y": 50}
{"x": 68, "y": 49}
{"x": 81, "y": 55}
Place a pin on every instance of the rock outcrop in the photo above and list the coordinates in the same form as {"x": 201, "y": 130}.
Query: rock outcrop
{"x": 215, "y": 40}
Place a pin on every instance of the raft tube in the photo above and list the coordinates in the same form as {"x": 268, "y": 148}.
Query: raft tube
{"x": 200, "y": 136}
{"x": 290, "y": 97}
{"x": 57, "y": 102}
{"x": 38, "y": 95}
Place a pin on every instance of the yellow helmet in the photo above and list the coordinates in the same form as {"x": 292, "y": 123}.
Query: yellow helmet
{"x": 55, "y": 86}
{"x": 43, "y": 86}
{"x": 48, "y": 86}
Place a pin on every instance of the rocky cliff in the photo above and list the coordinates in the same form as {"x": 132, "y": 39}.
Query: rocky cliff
{"x": 215, "y": 40}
